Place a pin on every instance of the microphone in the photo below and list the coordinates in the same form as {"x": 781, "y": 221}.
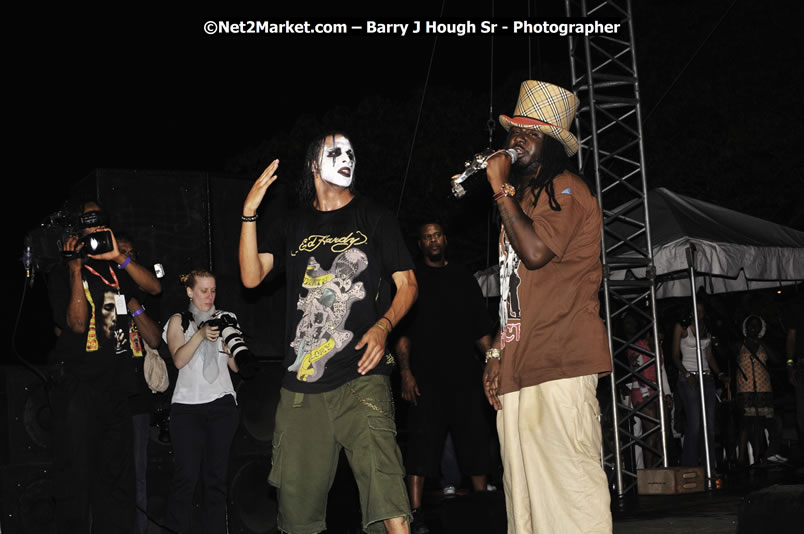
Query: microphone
{"x": 477, "y": 163}
{"x": 27, "y": 260}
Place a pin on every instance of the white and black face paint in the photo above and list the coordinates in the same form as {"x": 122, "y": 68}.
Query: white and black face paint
{"x": 338, "y": 162}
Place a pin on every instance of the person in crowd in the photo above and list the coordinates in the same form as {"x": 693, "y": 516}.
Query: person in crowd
{"x": 339, "y": 251}
{"x": 99, "y": 321}
{"x": 643, "y": 390}
{"x": 204, "y": 415}
{"x": 686, "y": 361}
{"x": 755, "y": 393}
{"x": 440, "y": 372}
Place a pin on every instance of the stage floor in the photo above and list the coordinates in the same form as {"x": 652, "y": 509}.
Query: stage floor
{"x": 711, "y": 512}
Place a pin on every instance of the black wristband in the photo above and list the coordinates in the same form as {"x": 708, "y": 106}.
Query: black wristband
{"x": 246, "y": 218}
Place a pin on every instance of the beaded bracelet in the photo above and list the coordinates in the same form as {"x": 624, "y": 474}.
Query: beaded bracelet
{"x": 492, "y": 354}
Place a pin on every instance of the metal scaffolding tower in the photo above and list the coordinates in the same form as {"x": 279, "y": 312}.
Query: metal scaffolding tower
{"x": 609, "y": 126}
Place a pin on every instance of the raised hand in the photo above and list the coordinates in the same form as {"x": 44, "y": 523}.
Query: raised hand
{"x": 257, "y": 192}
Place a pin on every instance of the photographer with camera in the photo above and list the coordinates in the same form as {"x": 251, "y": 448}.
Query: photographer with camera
{"x": 99, "y": 323}
{"x": 204, "y": 417}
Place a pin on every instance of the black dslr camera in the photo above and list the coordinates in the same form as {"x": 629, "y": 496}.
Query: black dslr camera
{"x": 232, "y": 337}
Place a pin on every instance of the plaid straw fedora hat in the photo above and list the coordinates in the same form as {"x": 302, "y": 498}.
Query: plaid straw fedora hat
{"x": 548, "y": 108}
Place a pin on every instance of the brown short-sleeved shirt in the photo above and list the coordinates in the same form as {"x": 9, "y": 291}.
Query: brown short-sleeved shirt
{"x": 551, "y": 326}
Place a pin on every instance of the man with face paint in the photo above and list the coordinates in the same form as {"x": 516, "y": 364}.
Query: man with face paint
{"x": 542, "y": 374}
{"x": 338, "y": 163}
{"x": 339, "y": 252}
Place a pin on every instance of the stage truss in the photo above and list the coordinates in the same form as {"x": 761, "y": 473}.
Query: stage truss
{"x": 609, "y": 127}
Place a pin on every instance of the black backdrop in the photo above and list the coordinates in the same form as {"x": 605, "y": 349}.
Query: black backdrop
{"x": 182, "y": 220}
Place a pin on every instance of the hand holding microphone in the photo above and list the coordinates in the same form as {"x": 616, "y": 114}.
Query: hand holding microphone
{"x": 478, "y": 162}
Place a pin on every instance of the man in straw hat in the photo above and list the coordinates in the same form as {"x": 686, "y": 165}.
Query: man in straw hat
{"x": 542, "y": 375}
{"x": 338, "y": 252}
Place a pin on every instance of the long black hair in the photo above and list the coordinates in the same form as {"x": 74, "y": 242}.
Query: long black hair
{"x": 306, "y": 186}
{"x": 553, "y": 161}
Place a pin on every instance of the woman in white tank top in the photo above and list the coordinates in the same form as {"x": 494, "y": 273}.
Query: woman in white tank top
{"x": 686, "y": 360}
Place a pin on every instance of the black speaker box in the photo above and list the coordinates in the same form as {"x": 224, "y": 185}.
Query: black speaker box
{"x": 27, "y": 506}
{"x": 26, "y": 416}
{"x": 252, "y": 501}
{"x": 257, "y": 399}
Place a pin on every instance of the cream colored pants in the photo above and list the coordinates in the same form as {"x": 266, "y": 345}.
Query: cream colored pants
{"x": 550, "y": 441}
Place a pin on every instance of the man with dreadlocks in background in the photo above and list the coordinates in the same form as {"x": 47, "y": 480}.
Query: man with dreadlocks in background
{"x": 542, "y": 374}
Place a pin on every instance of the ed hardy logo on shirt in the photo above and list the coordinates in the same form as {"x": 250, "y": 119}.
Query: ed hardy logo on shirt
{"x": 336, "y": 244}
{"x": 325, "y": 301}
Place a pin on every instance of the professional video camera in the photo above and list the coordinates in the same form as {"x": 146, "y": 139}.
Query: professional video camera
{"x": 47, "y": 241}
{"x": 232, "y": 336}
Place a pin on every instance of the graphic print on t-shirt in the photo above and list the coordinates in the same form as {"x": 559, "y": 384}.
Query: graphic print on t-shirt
{"x": 103, "y": 323}
{"x": 320, "y": 334}
{"x": 509, "y": 293}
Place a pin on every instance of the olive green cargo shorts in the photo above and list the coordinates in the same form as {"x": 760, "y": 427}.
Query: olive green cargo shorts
{"x": 312, "y": 428}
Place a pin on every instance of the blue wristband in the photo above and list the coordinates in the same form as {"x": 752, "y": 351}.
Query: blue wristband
{"x": 138, "y": 312}
{"x": 125, "y": 263}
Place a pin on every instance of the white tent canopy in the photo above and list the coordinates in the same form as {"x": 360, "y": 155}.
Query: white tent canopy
{"x": 734, "y": 251}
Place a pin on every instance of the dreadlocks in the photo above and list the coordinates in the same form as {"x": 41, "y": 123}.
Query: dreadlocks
{"x": 553, "y": 161}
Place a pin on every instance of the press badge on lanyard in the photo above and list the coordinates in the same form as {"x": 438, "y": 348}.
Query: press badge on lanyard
{"x": 120, "y": 304}
{"x": 119, "y": 298}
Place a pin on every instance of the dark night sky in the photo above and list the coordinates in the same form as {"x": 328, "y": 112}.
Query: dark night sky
{"x": 142, "y": 88}
{"x": 149, "y": 90}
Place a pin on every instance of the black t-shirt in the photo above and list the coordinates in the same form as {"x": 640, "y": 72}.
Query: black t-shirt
{"x": 338, "y": 266}
{"x": 104, "y": 350}
{"x": 448, "y": 318}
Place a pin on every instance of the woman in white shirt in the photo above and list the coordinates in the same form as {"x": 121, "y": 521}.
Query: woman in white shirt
{"x": 204, "y": 415}
{"x": 686, "y": 360}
